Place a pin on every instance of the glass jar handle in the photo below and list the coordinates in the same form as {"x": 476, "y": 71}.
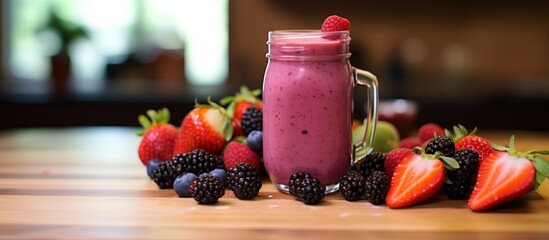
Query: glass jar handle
{"x": 365, "y": 78}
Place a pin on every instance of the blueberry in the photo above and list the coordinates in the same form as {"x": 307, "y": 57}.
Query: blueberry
{"x": 182, "y": 183}
{"x": 255, "y": 141}
{"x": 220, "y": 174}
{"x": 151, "y": 165}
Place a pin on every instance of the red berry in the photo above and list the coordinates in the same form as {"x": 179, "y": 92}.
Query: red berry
{"x": 393, "y": 158}
{"x": 429, "y": 131}
{"x": 237, "y": 152}
{"x": 335, "y": 23}
{"x": 482, "y": 146}
{"x": 410, "y": 142}
{"x": 159, "y": 136}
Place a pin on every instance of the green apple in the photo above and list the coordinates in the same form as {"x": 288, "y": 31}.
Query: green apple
{"x": 386, "y": 137}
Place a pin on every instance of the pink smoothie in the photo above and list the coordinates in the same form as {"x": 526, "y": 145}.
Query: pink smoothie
{"x": 307, "y": 115}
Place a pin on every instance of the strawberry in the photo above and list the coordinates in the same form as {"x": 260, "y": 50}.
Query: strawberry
{"x": 393, "y": 158}
{"x": 505, "y": 175}
{"x": 418, "y": 177}
{"x": 237, "y": 152}
{"x": 158, "y": 136}
{"x": 465, "y": 140}
{"x": 410, "y": 142}
{"x": 335, "y": 23}
{"x": 237, "y": 105}
{"x": 428, "y": 131}
{"x": 207, "y": 126}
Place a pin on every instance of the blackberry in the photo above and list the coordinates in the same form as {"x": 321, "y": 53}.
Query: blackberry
{"x": 441, "y": 144}
{"x": 252, "y": 119}
{"x": 372, "y": 162}
{"x": 377, "y": 186}
{"x": 352, "y": 186}
{"x": 162, "y": 175}
{"x": 208, "y": 189}
{"x": 462, "y": 179}
{"x": 310, "y": 191}
{"x": 244, "y": 181}
{"x": 295, "y": 181}
{"x": 198, "y": 162}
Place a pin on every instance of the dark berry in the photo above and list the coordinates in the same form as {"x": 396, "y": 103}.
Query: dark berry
{"x": 295, "y": 181}
{"x": 244, "y": 181}
{"x": 151, "y": 165}
{"x": 310, "y": 191}
{"x": 372, "y": 162}
{"x": 162, "y": 175}
{"x": 252, "y": 119}
{"x": 207, "y": 189}
{"x": 462, "y": 179}
{"x": 377, "y": 186}
{"x": 352, "y": 186}
{"x": 198, "y": 161}
{"x": 255, "y": 141}
{"x": 441, "y": 144}
{"x": 182, "y": 183}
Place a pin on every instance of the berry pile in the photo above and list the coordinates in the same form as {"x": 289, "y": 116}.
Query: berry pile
{"x": 216, "y": 147}
{"x": 219, "y": 147}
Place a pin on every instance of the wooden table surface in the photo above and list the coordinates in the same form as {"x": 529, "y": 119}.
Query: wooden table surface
{"x": 87, "y": 183}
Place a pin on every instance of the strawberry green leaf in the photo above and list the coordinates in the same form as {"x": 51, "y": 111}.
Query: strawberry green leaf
{"x": 256, "y": 92}
{"x": 227, "y": 129}
{"x": 543, "y": 152}
{"x": 449, "y": 163}
{"x": 226, "y": 100}
{"x": 145, "y": 123}
{"x": 499, "y": 147}
{"x": 541, "y": 165}
{"x": 542, "y": 170}
{"x": 539, "y": 180}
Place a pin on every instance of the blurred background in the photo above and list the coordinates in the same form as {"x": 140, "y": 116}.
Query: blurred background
{"x": 101, "y": 62}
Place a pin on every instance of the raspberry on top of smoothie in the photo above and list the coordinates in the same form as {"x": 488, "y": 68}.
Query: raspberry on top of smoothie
{"x": 335, "y": 23}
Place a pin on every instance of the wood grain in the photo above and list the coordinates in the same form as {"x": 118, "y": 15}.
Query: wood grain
{"x": 88, "y": 183}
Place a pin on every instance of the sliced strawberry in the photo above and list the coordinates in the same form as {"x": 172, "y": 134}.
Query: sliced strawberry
{"x": 159, "y": 136}
{"x": 418, "y": 177}
{"x": 207, "y": 127}
{"x": 505, "y": 175}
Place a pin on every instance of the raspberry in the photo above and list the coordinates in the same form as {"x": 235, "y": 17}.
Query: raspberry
{"x": 352, "y": 186}
{"x": 429, "y": 131}
{"x": 410, "y": 143}
{"x": 237, "y": 152}
{"x": 393, "y": 158}
{"x": 335, "y": 23}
